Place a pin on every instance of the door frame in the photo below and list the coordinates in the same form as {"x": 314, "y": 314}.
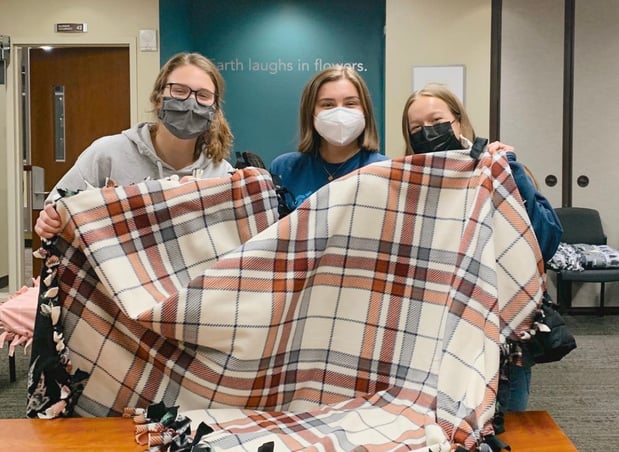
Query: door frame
{"x": 14, "y": 169}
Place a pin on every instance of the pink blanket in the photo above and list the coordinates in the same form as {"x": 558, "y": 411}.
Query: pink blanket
{"x": 17, "y": 316}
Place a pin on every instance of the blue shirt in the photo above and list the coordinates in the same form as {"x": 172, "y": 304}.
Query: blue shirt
{"x": 303, "y": 173}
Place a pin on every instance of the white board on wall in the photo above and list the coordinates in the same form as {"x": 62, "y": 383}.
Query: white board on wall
{"x": 451, "y": 75}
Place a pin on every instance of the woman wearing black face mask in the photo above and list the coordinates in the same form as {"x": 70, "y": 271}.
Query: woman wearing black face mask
{"x": 190, "y": 137}
{"x": 434, "y": 120}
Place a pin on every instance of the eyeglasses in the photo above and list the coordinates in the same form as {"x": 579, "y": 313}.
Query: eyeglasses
{"x": 181, "y": 92}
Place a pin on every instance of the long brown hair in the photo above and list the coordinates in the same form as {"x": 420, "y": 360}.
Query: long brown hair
{"x": 217, "y": 141}
{"x": 309, "y": 137}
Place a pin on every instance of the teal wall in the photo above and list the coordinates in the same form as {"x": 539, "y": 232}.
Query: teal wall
{"x": 267, "y": 51}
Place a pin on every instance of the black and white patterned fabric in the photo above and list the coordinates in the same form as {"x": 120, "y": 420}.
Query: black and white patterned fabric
{"x": 582, "y": 256}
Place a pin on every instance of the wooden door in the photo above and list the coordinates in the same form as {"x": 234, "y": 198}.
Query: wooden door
{"x": 91, "y": 84}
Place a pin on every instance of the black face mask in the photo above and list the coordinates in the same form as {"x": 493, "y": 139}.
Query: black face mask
{"x": 439, "y": 137}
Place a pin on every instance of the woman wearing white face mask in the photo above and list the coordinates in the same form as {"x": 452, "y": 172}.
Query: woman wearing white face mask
{"x": 337, "y": 130}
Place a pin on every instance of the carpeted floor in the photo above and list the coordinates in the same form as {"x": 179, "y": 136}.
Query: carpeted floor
{"x": 13, "y": 395}
{"x": 581, "y": 392}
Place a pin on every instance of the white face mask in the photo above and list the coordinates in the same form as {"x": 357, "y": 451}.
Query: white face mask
{"x": 340, "y": 126}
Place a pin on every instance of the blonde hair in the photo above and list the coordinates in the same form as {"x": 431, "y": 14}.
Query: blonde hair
{"x": 217, "y": 141}
{"x": 309, "y": 137}
{"x": 453, "y": 103}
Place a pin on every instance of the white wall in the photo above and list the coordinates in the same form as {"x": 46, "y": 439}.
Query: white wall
{"x": 433, "y": 33}
{"x": 532, "y": 106}
{"x": 532, "y": 87}
{"x": 32, "y": 22}
{"x": 596, "y": 119}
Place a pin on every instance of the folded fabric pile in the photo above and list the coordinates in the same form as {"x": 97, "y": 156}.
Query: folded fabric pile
{"x": 598, "y": 256}
{"x": 583, "y": 256}
{"x": 370, "y": 316}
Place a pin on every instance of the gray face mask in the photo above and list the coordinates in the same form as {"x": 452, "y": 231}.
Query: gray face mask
{"x": 186, "y": 119}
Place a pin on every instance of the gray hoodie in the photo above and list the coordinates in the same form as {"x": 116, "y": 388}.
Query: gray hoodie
{"x": 127, "y": 158}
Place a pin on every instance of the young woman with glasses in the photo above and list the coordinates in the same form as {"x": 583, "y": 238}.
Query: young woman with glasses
{"x": 190, "y": 137}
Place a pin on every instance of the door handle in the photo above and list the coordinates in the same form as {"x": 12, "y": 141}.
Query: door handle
{"x": 582, "y": 181}
{"x": 38, "y": 188}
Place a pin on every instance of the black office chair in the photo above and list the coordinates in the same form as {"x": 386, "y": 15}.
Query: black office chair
{"x": 582, "y": 225}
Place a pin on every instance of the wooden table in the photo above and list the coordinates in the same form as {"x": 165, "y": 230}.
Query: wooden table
{"x": 70, "y": 434}
{"x": 529, "y": 431}
{"x": 535, "y": 431}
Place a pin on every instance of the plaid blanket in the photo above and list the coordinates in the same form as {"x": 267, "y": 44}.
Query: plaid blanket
{"x": 372, "y": 315}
